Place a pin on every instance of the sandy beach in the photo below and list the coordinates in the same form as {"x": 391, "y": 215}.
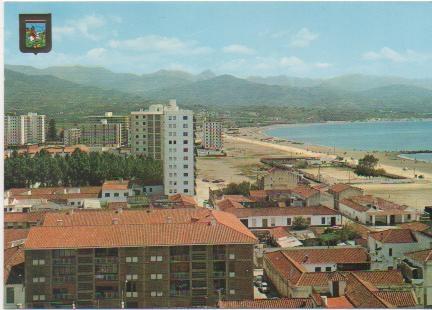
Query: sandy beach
{"x": 245, "y": 150}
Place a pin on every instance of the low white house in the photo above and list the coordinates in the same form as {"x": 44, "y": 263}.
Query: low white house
{"x": 115, "y": 191}
{"x": 275, "y": 216}
{"x": 387, "y": 247}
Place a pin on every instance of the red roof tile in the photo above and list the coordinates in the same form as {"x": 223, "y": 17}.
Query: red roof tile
{"x": 24, "y": 217}
{"x": 12, "y": 257}
{"x": 283, "y": 303}
{"x": 398, "y": 299}
{"x": 380, "y": 203}
{"x": 226, "y": 204}
{"x": 279, "y": 232}
{"x": 238, "y": 198}
{"x": 186, "y": 200}
{"x": 12, "y": 234}
{"x": 341, "y": 255}
{"x": 340, "y": 187}
{"x": 258, "y": 195}
{"x": 281, "y": 211}
{"x": 416, "y": 226}
{"x": 420, "y": 256}
{"x": 339, "y": 303}
{"x": 394, "y": 236}
{"x": 353, "y": 205}
{"x": 115, "y": 185}
{"x": 305, "y": 191}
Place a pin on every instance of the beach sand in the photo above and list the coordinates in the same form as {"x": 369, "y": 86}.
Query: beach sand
{"x": 245, "y": 150}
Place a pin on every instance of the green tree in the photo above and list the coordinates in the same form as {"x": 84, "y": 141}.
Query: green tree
{"x": 242, "y": 188}
{"x": 299, "y": 223}
{"x": 52, "y": 131}
{"x": 366, "y": 166}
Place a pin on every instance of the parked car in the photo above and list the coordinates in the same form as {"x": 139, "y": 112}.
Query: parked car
{"x": 263, "y": 287}
{"x": 205, "y": 180}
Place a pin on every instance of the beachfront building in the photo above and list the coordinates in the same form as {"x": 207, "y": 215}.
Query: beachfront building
{"x": 71, "y": 136}
{"x": 110, "y": 118}
{"x": 102, "y": 134}
{"x": 371, "y": 210}
{"x": 284, "y": 216}
{"x": 167, "y": 258}
{"x": 417, "y": 268}
{"x": 388, "y": 247}
{"x": 343, "y": 283}
{"x": 212, "y": 135}
{"x": 276, "y": 179}
{"x": 24, "y": 129}
{"x": 167, "y": 133}
{"x": 342, "y": 191}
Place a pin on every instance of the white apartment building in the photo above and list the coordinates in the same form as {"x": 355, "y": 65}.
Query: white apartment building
{"x": 212, "y": 135}
{"x": 24, "y": 129}
{"x": 178, "y": 150}
{"x": 72, "y": 136}
{"x": 167, "y": 133}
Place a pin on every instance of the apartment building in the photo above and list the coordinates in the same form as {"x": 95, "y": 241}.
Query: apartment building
{"x": 110, "y": 118}
{"x": 71, "y": 136}
{"x": 102, "y": 134}
{"x": 212, "y": 135}
{"x": 167, "y": 258}
{"x": 24, "y": 129}
{"x": 167, "y": 133}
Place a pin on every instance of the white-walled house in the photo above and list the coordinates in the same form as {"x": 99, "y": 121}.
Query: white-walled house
{"x": 276, "y": 216}
{"x": 342, "y": 191}
{"x": 389, "y": 246}
{"x": 417, "y": 267}
{"x": 370, "y": 210}
{"x": 115, "y": 191}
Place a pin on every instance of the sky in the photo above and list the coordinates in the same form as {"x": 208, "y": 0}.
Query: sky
{"x": 314, "y": 40}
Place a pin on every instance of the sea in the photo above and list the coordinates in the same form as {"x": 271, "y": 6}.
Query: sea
{"x": 363, "y": 136}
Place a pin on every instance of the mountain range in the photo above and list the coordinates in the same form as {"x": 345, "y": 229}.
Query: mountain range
{"x": 78, "y": 90}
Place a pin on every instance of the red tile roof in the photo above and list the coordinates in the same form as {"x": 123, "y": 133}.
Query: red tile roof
{"x": 226, "y": 204}
{"x": 13, "y": 234}
{"x": 416, "y": 226}
{"x": 238, "y": 198}
{"x": 183, "y": 199}
{"x": 339, "y": 303}
{"x": 279, "y": 232}
{"x": 286, "y": 267}
{"x": 420, "y": 256}
{"x": 394, "y": 236}
{"x": 139, "y": 228}
{"x": 353, "y": 205}
{"x": 24, "y": 217}
{"x": 340, "y": 187}
{"x": 258, "y": 194}
{"x": 115, "y": 185}
{"x": 278, "y": 211}
{"x": 304, "y": 191}
{"x": 12, "y": 257}
{"x": 380, "y": 203}
{"x": 114, "y": 205}
{"x": 398, "y": 299}
{"x": 283, "y": 303}
{"x": 341, "y": 255}
{"x": 362, "y": 294}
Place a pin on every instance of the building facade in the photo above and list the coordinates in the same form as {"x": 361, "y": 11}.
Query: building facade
{"x": 101, "y": 134}
{"x": 72, "y": 136}
{"x": 25, "y": 129}
{"x": 162, "y": 265}
{"x": 110, "y": 118}
{"x": 167, "y": 133}
{"x": 212, "y": 135}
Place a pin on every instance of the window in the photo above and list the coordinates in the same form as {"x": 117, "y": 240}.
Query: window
{"x": 185, "y": 134}
{"x": 232, "y": 274}
{"x": 131, "y": 277}
{"x": 185, "y": 190}
{"x": 185, "y": 125}
{"x": 323, "y": 220}
{"x": 232, "y": 292}
{"x": 185, "y": 141}
{"x": 156, "y": 276}
{"x": 254, "y": 223}
{"x": 185, "y": 182}
{"x": 37, "y": 262}
{"x": 156, "y": 293}
{"x": 409, "y": 216}
{"x": 185, "y": 166}
{"x": 231, "y": 256}
{"x": 10, "y": 295}
{"x": 288, "y": 221}
{"x": 155, "y": 258}
{"x": 328, "y": 268}
{"x": 108, "y": 194}
{"x": 317, "y": 269}
{"x": 125, "y": 194}
{"x": 273, "y": 221}
{"x": 185, "y": 174}
{"x": 39, "y": 297}
{"x": 390, "y": 252}
{"x": 185, "y": 149}
{"x": 131, "y": 259}
{"x": 185, "y": 117}
{"x": 39, "y": 280}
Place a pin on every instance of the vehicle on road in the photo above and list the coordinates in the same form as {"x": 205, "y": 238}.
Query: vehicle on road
{"x": 263, "y": 287}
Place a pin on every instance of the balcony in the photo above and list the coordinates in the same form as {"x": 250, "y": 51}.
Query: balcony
{"x": 107, "y": 295}
{"x": 106, "y": 260}
{"x": 219, "y": 256}
{"x": 199, "y": 275}
{"x": 219, "y": 274}
{"x": 180, "y": 257}
{"x": 63, "y": 261}
{"x": 106, "y": 277}
{"x": 63, "y": 279}
{"x": 179, "y": 275}
{"x": 63, "y": 296}
{"x": 199, "y": 256}
{"x": 179, "y": 292}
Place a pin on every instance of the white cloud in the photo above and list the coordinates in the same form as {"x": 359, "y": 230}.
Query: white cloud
{"x": 303, "y": 38}
{"x": 323, "y": 65}
{"x": 291, "y": 61}
{"x": 160, "y": 44}
{"x": 389, "y": 54}
{"x": 89, "y": 27}
{"x": 96, "y": 52}
{"x": 238, "y": 49}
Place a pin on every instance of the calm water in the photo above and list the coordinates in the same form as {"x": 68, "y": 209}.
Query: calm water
{"x": 366, "y": 136}
{"x": 420, "y": 156}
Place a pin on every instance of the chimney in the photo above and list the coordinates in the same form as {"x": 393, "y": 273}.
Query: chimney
{"x": 59, "y": 222}
{"x": 115, "y": 221}
{"x": 169, "y": 220}
{"x": 324, "y": 299}
{"x": 212, "y": 222}
{"x": 119, "y": 210}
